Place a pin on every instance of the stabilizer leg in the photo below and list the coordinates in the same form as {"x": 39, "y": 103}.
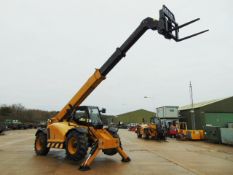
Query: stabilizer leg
{"x": 85, "y": 166}
{"x": 125, "y": 157}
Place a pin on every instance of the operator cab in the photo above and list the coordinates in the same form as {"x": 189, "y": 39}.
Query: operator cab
{"x": 155, "y": 120}
{"x": 89, "y": 116}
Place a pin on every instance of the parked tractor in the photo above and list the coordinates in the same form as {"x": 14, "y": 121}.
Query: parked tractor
{"x": 153, "y": 130}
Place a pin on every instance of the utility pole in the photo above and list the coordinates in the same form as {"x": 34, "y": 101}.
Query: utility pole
{"x": 192, "y": 106}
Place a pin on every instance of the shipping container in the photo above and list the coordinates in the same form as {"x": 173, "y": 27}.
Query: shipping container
{"x": 227, "y": 135}
{"x": 167, "y": 112}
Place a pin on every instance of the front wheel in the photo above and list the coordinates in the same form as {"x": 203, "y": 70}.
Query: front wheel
{"x": 76, "y": 145}
{"x": 40, "y": 145}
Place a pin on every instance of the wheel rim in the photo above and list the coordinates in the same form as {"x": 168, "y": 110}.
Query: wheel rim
{"x": 38, "y": 144}
{"x": 72, "y": 148}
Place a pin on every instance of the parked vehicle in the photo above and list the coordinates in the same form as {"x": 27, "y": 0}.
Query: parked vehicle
{"x": 2, "y": 128}
{"x": 153, "y": 130}
{"x": 13, "y": 124}
{"x": 132, "y": 127}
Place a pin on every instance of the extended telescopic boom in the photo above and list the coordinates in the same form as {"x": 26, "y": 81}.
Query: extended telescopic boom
{"x": 166, "y": 25}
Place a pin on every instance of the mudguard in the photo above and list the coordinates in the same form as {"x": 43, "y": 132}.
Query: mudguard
{"x": 43, "y": 130}
{"x": 81, "y": 130}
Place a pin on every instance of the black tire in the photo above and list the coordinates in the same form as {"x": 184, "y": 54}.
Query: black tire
{"x": 40, "y": 145}
{"x": 146, "y": 132}
{"x": 112, "y": 151}
{"x": 138, "y": 134}
{"x": 76, "y": 145}
{"x": 147, "y": 137}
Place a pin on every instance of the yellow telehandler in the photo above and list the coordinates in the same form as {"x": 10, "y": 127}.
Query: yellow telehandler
{"x": 152, "y": 130}
{"x": 76, "y": 128}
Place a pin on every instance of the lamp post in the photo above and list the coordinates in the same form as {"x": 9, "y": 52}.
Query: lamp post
{"x": 151, "y": 101}
{"x": 147, "y": 97}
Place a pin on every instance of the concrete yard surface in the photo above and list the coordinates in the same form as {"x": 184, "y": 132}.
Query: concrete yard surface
{"x": 148, "y": 157}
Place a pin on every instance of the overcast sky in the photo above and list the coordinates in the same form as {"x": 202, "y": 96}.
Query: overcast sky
{"x": 49, "y": 48}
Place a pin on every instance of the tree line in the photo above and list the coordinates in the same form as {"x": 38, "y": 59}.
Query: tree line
{"x": 19, "y": 112}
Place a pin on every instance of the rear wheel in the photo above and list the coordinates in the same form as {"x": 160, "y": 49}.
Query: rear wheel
{"x": 147, "y": 137}
{"x": 76, "y": 145}
{"x": 146, "y": 133}
{"x": 138, "y": 133}
{"x": 40, "y": 146}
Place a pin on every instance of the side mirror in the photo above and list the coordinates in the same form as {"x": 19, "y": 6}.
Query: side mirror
{"x": 103, "y": 110}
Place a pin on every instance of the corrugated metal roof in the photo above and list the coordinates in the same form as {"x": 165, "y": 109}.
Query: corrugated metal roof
{"x": 201, "y": 104}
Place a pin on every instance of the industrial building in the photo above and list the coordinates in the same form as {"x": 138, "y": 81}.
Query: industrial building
{"x": 217, "y": 112}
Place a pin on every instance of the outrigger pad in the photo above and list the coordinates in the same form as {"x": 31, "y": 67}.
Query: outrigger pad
{"x": 126, "y": 160}
{"x": 84, "y": 168}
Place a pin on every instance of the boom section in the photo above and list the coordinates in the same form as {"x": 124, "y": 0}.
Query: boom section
{"x": 120, "y": 52}
{"x": 99, "y": 74}
{"x": 80, "y": 96}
